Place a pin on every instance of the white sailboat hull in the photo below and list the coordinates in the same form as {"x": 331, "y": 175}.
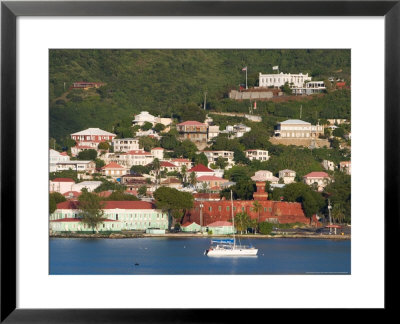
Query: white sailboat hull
{"x": 232, "y": 252}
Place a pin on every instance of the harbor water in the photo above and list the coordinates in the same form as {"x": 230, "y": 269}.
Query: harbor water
{"x": 180, "y": 256}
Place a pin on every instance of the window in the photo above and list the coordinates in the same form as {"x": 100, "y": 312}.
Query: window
{"x": 210, "y": 208}
{"x": 219, "y": 208}
{"x": 227, "y": 208}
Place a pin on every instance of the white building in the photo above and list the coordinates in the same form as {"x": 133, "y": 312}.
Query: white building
{"x": 125, "y": 144}
{"x": 120, "y": 215}
{"x": 264, "y": 175}
{"x": 278, "y": 80}
{"x": 288, "y": 176}
{"x": 90, "y": 139}
{"x": 236, "y": 131}
{"x": 157, "y": 152}
{"x": 260, "y": 155}
{"x": 79, "y": 166}
{"x": 345, "y": 166}
{"x": 89, "y": 185}
{"x": 213, "y": 131}
{"x": 144, "y": 117}
{"x": 310, "y": 88}
{"x": 114, "y": 170}
{"x": 213, "y": 156}
{"x": 295, "y": 128}
{"x": 55, "y": 157}
{"x": 328, "y": 165}
{"x": 128, "y": 159}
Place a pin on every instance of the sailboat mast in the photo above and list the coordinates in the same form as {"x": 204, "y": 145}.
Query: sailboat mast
{"x": 233, "y": 222}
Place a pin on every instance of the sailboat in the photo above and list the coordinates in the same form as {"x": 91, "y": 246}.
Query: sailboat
{"x": 228, "y": 247}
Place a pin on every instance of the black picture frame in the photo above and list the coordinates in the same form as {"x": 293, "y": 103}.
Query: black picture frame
{"x": 10, "y": 10}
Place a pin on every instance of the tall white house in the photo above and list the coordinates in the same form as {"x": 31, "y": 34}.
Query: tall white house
{"x": 125, "y": 144}
{"x": 295, "y": 128}
{"x": 278, "y": 80}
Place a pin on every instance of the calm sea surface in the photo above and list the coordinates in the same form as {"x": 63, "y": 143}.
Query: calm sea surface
{"x": 185, "y": 256}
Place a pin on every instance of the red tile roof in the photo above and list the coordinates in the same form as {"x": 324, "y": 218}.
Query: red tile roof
{"x": 211, "y": 178}
{"x": 168, "y": 164}
{"x": 191, "y": 123}
{"x": 63, "y": 180}
{"x": 187, "y": 224}
{"x": 123, "y": 204}
{"x": 200, "y": 168}
{"x": 112, "y": 165}
{"x": 138, "y": 152}
{"x": 316, "y": 175}
{"x": 64, "y": 153}
{"x": 77, "y": 220}
{"x": 157, "y": 148}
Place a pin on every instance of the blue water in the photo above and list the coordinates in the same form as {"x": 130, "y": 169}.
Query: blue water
{"x": 185, "y": 256}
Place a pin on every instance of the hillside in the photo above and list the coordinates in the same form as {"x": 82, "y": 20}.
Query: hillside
{"x": 167, "y": 82}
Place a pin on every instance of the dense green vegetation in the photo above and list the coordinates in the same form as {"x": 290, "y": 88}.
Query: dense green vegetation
{"x": 173, "y": 82}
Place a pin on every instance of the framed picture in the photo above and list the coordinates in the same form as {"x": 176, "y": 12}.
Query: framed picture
{"x": 33, "y": 31}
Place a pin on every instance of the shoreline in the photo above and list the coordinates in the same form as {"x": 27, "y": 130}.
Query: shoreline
{"x": 188, "y": 235}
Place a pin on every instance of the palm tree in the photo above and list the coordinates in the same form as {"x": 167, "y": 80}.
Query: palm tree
{"x": 192, "y": 179}
{"x": 257, "y": 207}
{"x": 338, "y": 213}
{"x": 183, "y": 173}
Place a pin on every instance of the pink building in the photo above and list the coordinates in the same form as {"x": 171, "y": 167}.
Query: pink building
{"x": 90, "y": 139}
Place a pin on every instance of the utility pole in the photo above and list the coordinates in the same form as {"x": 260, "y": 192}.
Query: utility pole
{"x": 301, "y": 108}
{"x": 205, "y": 98}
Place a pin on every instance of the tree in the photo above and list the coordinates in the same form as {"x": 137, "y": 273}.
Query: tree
{"x": 156, "y": 165}
{"x": 142, "y": 191}
{"x": 104, "y": 146}
{"x": 338, "y": 213}
{"x": 91, "y": 208}
{"x": 159, "y": 127}
{"x": 99, "y": 163}
{"x": 257, "y": 207}
{"x": 147, "y": 143}
{"x": 286, "y": 89}
{"x": 221, "y": 162}
{"x": 192, "y": 179}
{"x": 200, "y": 159}
{"x": 239, "y": 157}
{"x": 242, "y": 222}
{"x": 183, "y": 173}
{"x": 266, "y": 228}
{"x": 339, "y": 132}
{"x": 140, "y": 169}
{"x": 173, "y": 201}
{"x": 87, "y": 155}
{"x": 119, "y": 195}
{"x": 54, "y": 199}
{"x": 146, "y": 126}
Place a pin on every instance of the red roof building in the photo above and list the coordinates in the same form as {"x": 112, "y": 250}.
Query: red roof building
{"x": 200, "y": 168}
{"x": 318, "y": 179}
{"x": 63, "y": 180}
{"x": 113, "y": 169}
{"x": 123, "y": 204}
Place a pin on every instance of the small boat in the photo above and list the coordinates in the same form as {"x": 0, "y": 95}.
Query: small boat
{"x": 228, "y": 247}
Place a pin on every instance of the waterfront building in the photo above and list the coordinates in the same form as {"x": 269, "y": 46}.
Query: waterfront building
{"x": 56, "y": 157}
{"x": 318, "y": 179}
{"x": 287, "y": 175}
{"x": 261, "y": 155}
{"x": 221, "y": 228}
{"x": 298, "y": 129}
{"x": 119, "y": 215}
{"x": 125, "y": 144}
{"x": 278, "y": 80}
{"x": 190, "y": 227}
{"x": 206, "y": 212}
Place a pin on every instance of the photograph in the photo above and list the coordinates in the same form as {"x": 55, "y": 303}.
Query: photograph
{"x": 199, "y": 161}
